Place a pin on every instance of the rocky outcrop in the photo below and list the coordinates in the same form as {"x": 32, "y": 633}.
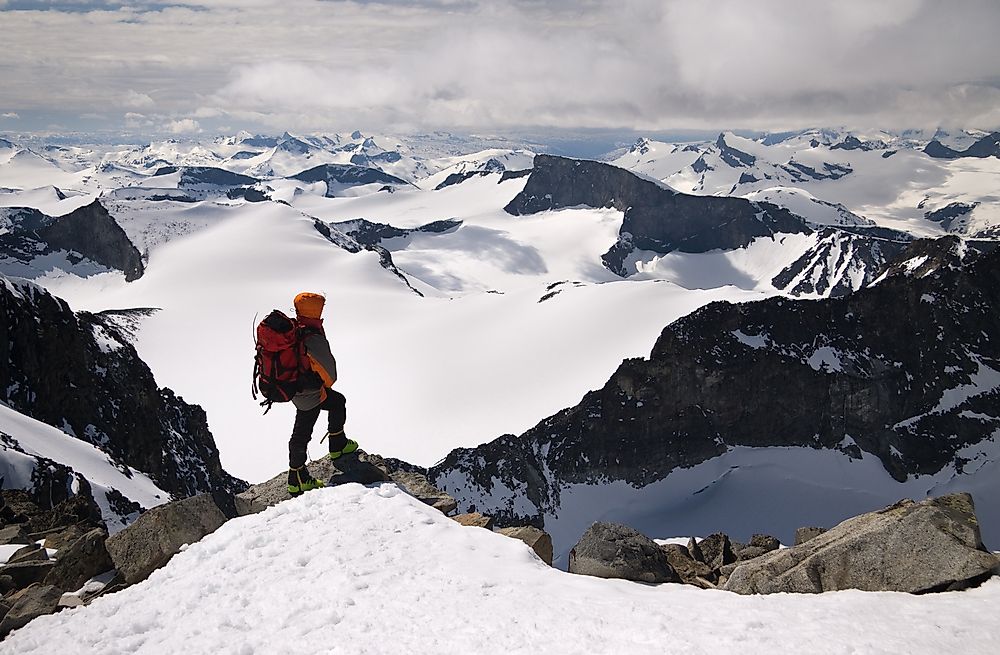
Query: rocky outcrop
{"x": 803, "y": 535}
{"x": 844, "y": 374}
{"x": 417, "y": 485}
{"x": 80, "y": 373}
{"x": 340, "y": 176}
{"x": 158, "y": 534}
{"x": 689, "y": 569}
{"x": 196, "y": 176}
{"x": 80, "y": 561}
{"x": 656, "y": 218}
{"x": 359, "y": 467}
{"x": 611, "y": 550}
{"x": 916, "y": 547}
{"x": 86, "y": 234}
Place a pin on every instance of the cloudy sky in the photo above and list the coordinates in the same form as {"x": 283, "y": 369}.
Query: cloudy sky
{"x": 203, "y": 66}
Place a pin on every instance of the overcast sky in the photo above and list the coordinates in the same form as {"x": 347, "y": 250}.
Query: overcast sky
{"x": 326, "y": 65}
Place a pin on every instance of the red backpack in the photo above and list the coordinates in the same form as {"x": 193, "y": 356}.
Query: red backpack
{"x": 281, "y": 360}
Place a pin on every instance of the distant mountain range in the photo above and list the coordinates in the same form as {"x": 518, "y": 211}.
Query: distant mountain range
{"x": 473, "y": 293}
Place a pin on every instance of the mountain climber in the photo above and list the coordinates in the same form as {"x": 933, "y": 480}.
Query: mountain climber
{"x": 316, "y": 394}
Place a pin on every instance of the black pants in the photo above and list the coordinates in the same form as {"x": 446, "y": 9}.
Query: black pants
{"x": 305, "y": 421}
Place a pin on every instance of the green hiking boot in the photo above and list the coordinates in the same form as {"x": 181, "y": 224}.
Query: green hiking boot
{"x": 349, "y": 446}
{"x": 299, "y": 481}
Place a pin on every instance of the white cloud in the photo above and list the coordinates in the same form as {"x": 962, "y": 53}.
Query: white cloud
{"x": 136, "y": 100}
{"x": 9, "y": 114}
{"x": 436, "y": 63}
{"x": 183, "y": 126}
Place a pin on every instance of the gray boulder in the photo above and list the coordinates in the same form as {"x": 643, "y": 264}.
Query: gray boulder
{"x": 29, "y": 604}
{"x": 158, "y": 535}
{"x": 717, "y": 550}
{"x": 13, "y": 534}
{"x": 81, "y": 561}
{"x": 612, "y": 550}
{"x": 418, "y": 486}
{"x": 356, "y": 467}
{"x": 803, "y": 535}
{"x": 538, "y": 540}
{"x": 931, "y": 545}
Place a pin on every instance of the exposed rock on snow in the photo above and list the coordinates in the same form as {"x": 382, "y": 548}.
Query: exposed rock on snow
{"x": 988, "y": 146}
{"x": 690, "y": 570}
{"x": 31, "y": 240}
{"x": 81, "y": 561}
{"x": 611, "y": 550}
{"x": 358, "y": 467}
{"x": 338, "y": 177}
{"x": 159, "y": 534}
{"x": 656, "y": 217}
{"x": 539, "y": 540}
{"x": 28, "y": 604}
{"x": 474, "y": 520}
{"x": 931, "y": 545}
{"x": 417, "y": 485}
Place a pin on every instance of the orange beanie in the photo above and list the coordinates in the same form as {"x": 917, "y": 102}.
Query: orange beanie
{"x": 309, "y": 305}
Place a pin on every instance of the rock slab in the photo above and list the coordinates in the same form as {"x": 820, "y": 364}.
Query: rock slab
{"x": 418, "y": 486}
{"x": 158, "y": 535}
{"x": 86, "y": 558}
{"x": 612, "y": 550}
{"x": 28, "y": 604}
{"x": 931, "y": 545}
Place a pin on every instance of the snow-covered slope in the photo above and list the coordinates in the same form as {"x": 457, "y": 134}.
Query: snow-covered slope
{"x": 371, "y": 570}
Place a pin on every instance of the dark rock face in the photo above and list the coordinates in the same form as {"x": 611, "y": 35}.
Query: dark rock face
{"x": 611, "y": 550}
{"x": 852, "y": 377}
{"x": 947, "y": 215}
{"x": 852, "y": 142}
{"x": 347, "y": 174}
{"x": 89, "y": 232}
{"x": 80, "y": 373}
{"x": 933, "y": 545}
{"x": 656, "y": 218}
{"x": 732, "y": 156}
{"x": 988, "y": 146}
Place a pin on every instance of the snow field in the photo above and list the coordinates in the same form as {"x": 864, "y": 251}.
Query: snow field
{"x": 371, "y": 570}
{"x": 422, "y": 375}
